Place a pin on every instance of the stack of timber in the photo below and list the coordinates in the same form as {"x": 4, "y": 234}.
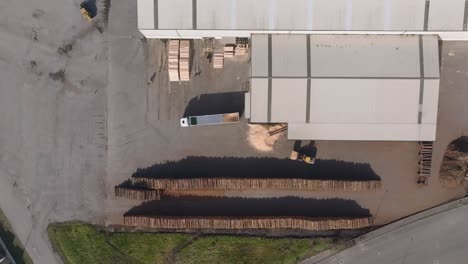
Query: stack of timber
{"x": 237, "y": 184}
{"x": 304, "y": 223}
{"x": 425, "y": 162}
{"x": 184, "y": 67}
{"x": 242, "y": 45}
{"x": 228, "y": 51}
{"x": 218, "y": 60}
{"x": 134, "y": 193}
{"x": 174, "y": 60}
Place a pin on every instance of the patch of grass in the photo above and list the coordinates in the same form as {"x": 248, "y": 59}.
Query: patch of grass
{"x": 12, "y": 243}
{"x": 236, "y": 249}
{"x": 146, "y": 247}
{"x": 83, "y": 243}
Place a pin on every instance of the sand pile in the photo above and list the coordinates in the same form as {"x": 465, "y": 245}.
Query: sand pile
{"x": 258, "y": 137}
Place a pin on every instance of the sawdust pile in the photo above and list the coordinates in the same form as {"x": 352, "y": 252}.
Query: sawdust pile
{"x": 258, "y": 137}
{"x": 455, "y": 163}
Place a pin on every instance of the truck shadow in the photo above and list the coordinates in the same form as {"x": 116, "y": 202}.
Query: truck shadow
{"x": 219, "y": 103}
{"x": 272, "y": 168}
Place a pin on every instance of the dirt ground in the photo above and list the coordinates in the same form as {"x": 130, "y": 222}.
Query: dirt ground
{"x": 144, "y": 128}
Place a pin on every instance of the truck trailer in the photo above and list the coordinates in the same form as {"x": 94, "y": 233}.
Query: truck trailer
{"x": 204, "y": 120}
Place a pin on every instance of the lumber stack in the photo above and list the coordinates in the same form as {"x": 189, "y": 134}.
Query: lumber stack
{"x": 276, "y": 184}
{"x": 174, "y": 60}
{"x": 184, "y": 66}
{"x": 304, "y": 223}
{"x": 228, "y": 51}
{"x": 242, "y": 45}
{"x": 425, "y": 162}
{"x": 141, "y": 194}
{"x": 218, "y": 60}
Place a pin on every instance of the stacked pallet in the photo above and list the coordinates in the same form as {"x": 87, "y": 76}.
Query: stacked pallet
{"x": 304, "y": 223}
{"x": 237, "y": 184}
{"x": 174, "y": 60}
{"x": 241, "y": 50}
{"x": 133, "y": 193}
{"x": 218, "y": 60}
{"x": 228, "y": 51}
{"x": 242, "y": 45}
{"x": 425, "y": 162}
{"x": 184, "y": 67}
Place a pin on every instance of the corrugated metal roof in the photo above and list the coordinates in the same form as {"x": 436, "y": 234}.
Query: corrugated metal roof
{"x": 369, "y": 84}
{"x": 222, "y": 16}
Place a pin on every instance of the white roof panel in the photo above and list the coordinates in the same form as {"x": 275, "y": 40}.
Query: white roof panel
{"x": 364, "y": 101}
{"x": 446, "y": 14}
{"x": 289, "y": 55}
{"x": 431, "y": 56}
{"x": 362, "y": 132}
{"x": 145, "y": 12}
{"x": 174, "y": 14}
{"x": 219, "y": 18}
{"x": 259, "y": 55}
{"x": 259, "y": 101}
{"x": 430, "y": 102}
{"x": 288, "y": 100}
{"x": 364, "y": 56}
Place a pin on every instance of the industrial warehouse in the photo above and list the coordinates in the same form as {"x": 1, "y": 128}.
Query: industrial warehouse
{"x": 304, "y": 78}
{"x": 233, "y": 131}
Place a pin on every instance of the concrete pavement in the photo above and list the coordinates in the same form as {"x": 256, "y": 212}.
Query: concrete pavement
{"x": 435, "y": 236}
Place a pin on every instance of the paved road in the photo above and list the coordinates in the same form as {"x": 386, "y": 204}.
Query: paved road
{"x": 53, "y": 71}
{"x": 438, "y": 239}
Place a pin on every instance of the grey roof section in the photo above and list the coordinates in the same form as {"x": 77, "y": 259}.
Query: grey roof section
{"x": 289, "y": 59}
{"x": 364, "y": 56}
{"x": 364, "y": 101}
{"x": 259, "y": 101}
{"x": 288, "y": 100}
{"x": 362, "y": 87}
{"x": 174, "y": 14}
{"x": 362, "y": 132}
{"x": 259, "y": 55}
{"x": 355, "y": 56}
{"x": 222, "y": 16}
{"x": 446, "y": 14}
